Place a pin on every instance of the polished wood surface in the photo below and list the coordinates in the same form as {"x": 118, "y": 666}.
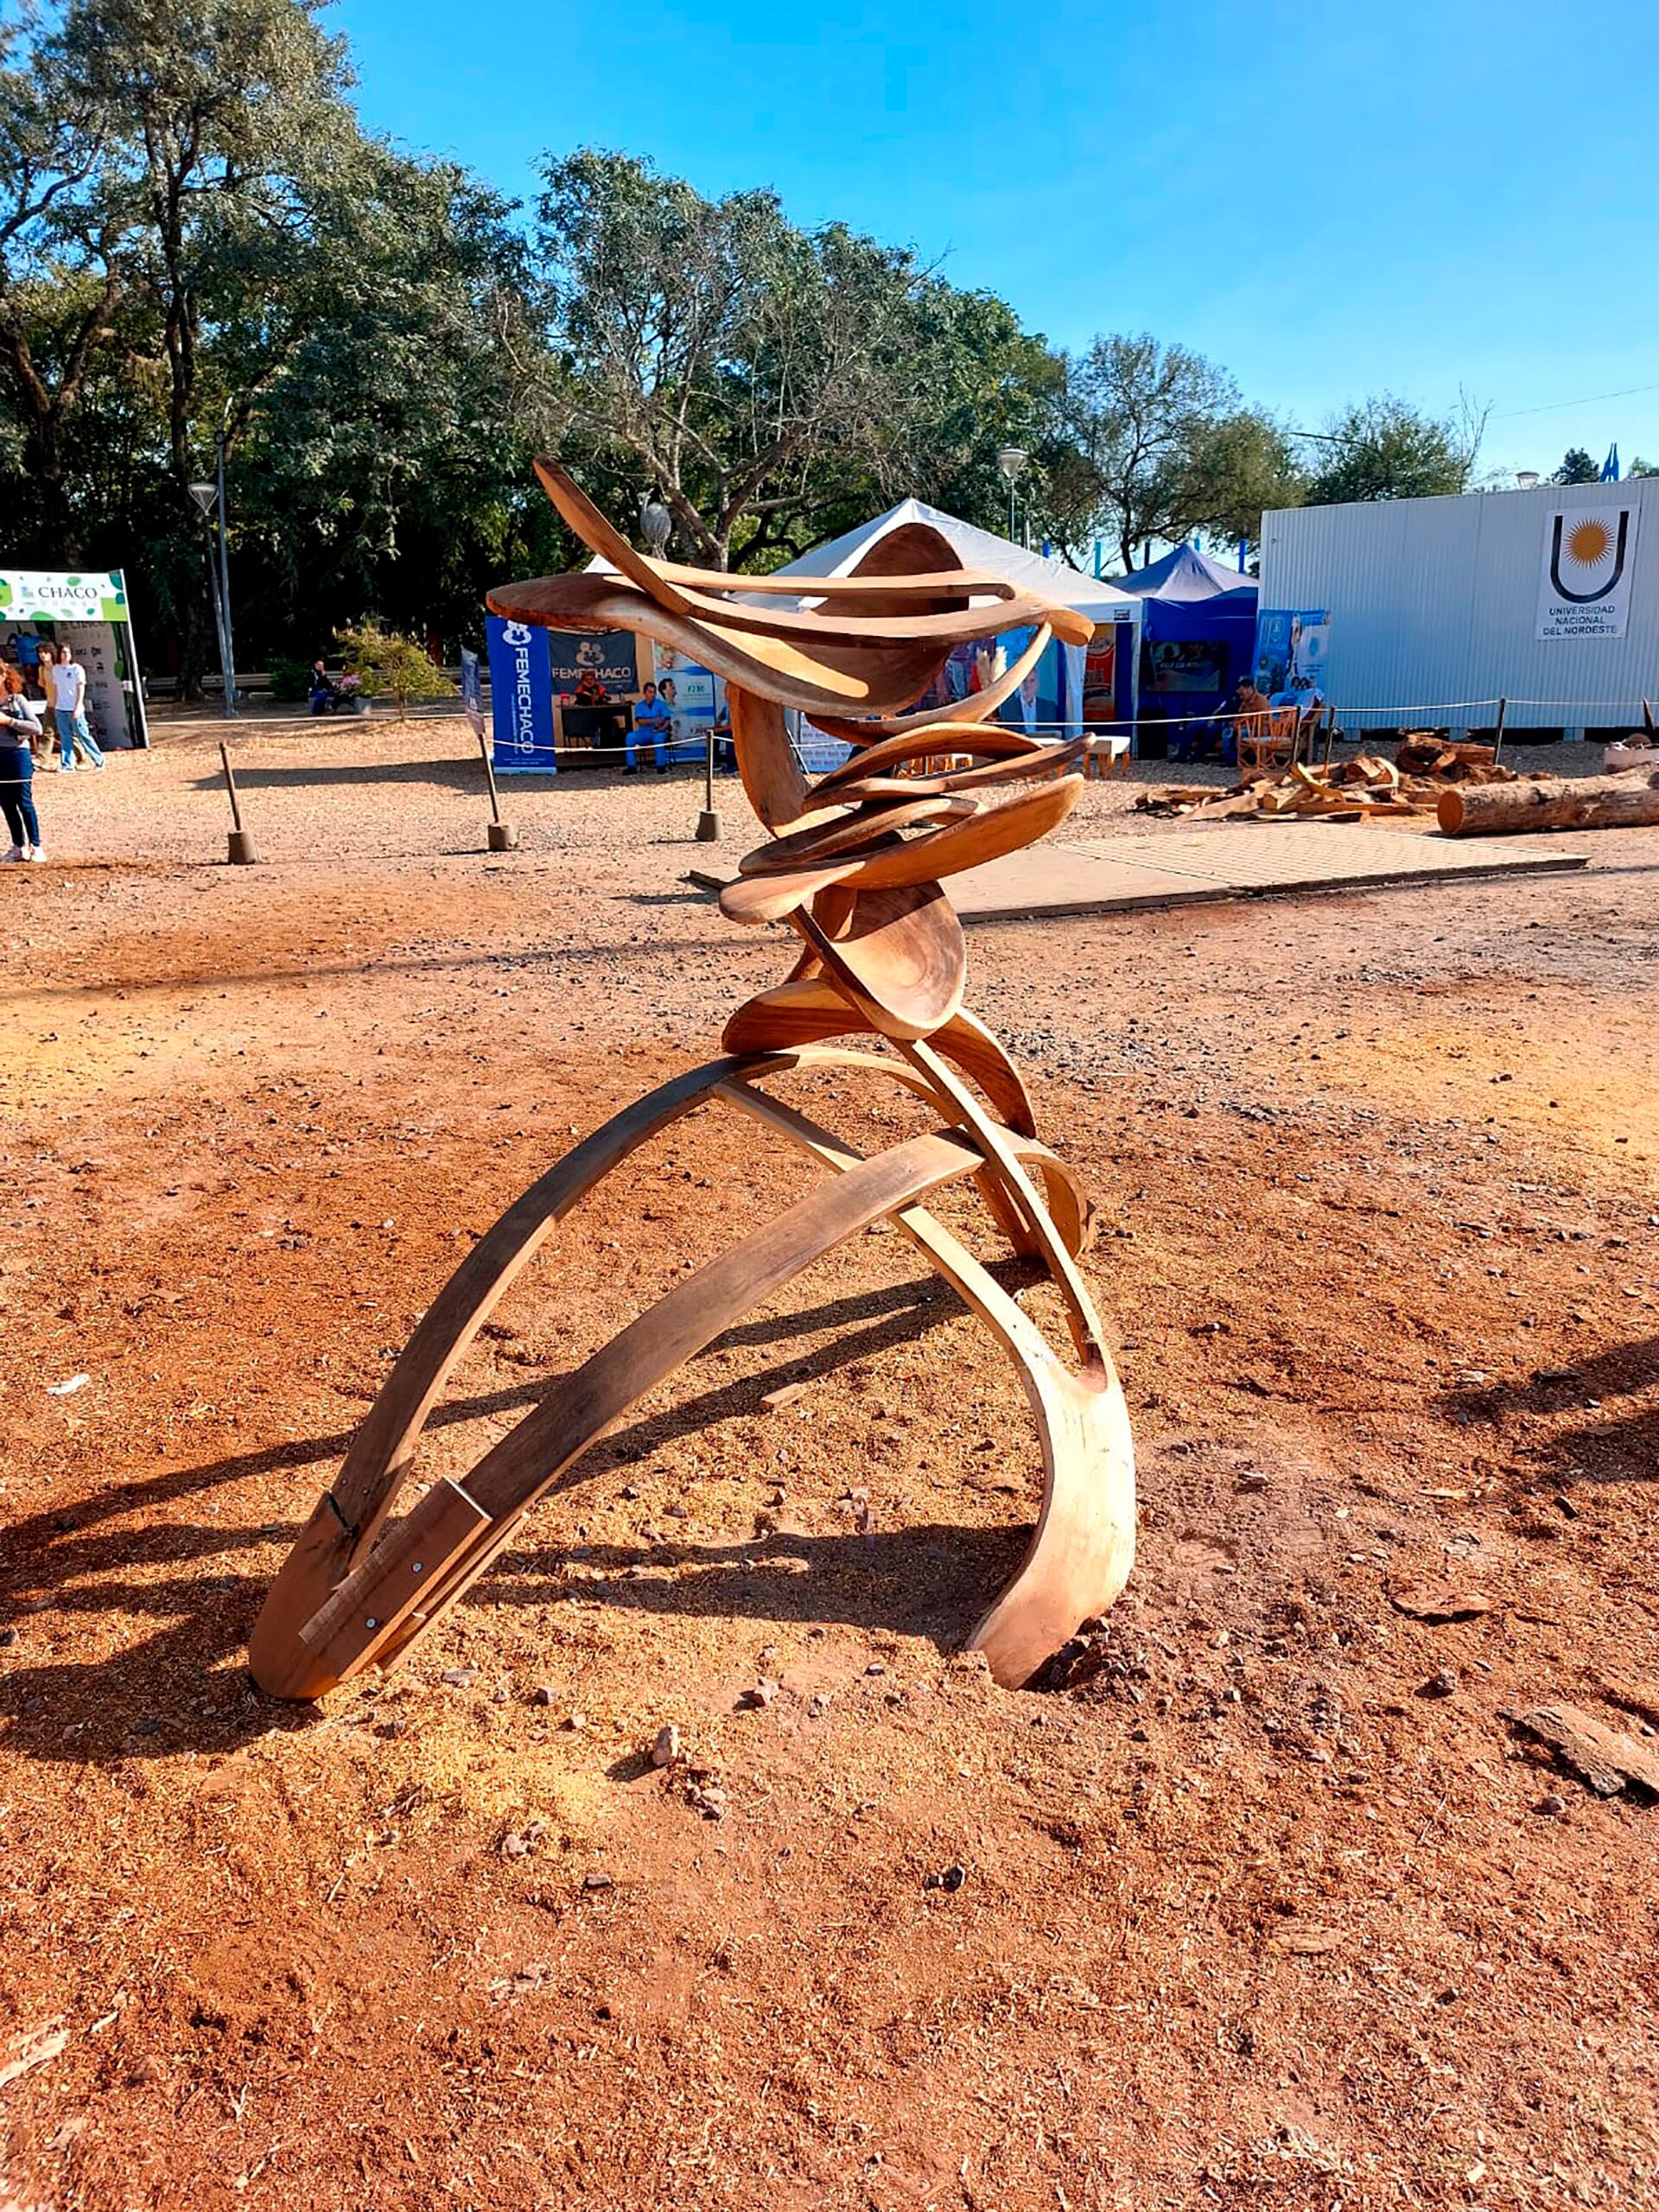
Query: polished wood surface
{"x": 900, "y": 956}
{"x": 1083, "y": 1548}
{"x": 991, "y": 739}
{"x": 857, "y": 832}
{"x": 855, "y": 863}
{"x": 978, "y": 707}
{"x": 805, "y": 1011}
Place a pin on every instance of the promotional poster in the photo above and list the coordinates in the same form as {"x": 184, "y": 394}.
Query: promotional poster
{"x": 611, "y": 655}
{"x": 1291, "y": 649}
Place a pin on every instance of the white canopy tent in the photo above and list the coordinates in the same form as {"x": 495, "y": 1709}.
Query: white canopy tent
{"x": 1106, "y": 607}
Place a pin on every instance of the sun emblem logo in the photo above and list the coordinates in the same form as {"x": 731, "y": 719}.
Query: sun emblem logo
{"x": 1589, "y": 543}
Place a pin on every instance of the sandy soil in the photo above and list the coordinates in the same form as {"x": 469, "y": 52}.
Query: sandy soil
{"x": 1247, "y": 1915}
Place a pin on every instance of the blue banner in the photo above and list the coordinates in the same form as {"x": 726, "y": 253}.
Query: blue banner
{"x": 521, "y": 694}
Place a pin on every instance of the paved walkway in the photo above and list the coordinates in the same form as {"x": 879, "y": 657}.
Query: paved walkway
{"x": 1239, "y": 860}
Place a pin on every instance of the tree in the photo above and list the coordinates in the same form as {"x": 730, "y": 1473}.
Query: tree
{"x": 60, "y": 276}
{"x": 197, "y": 239}
{"x": 1136, "y": 414}
{"x": 388, "y": 662}
{"x": 978, "y": 383}
{"x": 1577, "y": 467}
{"x": 385, "y": 465}
{"x": 213, "y": 114}
{"x": 761, "y": 378}
{"x": 1640, "y": 467}
{"x": 1239, "y": 468}
{"x": 1383, "y": 448}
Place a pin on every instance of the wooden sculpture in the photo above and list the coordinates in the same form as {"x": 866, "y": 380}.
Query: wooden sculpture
{"x": 854, "y": 863}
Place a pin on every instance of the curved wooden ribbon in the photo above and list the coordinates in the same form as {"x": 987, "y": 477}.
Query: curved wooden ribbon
{"x": 1083, "y": 1548}
{"x": 991, "y": 831}
{"x": 348, "y": 1518}
{"x": 874, "y": 759}
{"x": 837, "y": 679}
{"x": 851, "y": 833}
{"x": 978, "y": 705}
{"x": 1024, "y": 767}
{"x": 807, "y": 1009}
{"x": 314, "y": 1633}
{"x": 704, "y": 593}
{"x": 884, "y": 952}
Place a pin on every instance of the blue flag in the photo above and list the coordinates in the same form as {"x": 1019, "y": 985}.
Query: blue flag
{"x": 521, "y": 694}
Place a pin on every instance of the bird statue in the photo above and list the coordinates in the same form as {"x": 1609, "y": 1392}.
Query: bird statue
{"x": 854, "y": 861}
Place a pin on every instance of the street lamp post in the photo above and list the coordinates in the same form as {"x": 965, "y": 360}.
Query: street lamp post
{"x": 225, "y": 570}
{"x": 656, "y": 526}
{"x": 205, "y": 497}
{"x": 1012, "y": 460}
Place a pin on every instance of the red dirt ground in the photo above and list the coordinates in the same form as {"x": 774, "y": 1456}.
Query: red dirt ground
{"x": 1246, "y": 1919}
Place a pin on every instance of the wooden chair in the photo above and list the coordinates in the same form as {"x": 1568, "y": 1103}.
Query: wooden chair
{"x": 853, "y": 861}
{"x": 1267, "y": 740}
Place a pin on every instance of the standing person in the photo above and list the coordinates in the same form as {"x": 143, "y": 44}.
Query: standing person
{"x": 43, "y": 677}
{"x": 18, "y": 730}
{"x": 69, "y": 705}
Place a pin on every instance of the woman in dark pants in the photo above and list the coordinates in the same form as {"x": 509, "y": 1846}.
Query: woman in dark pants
{"x": 18, "y": 730}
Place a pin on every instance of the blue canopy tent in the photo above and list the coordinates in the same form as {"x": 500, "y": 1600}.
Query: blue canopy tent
{"x": 1197, "y": 635}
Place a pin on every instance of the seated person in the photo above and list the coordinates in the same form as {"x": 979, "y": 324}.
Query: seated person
{"x": 322, "y": 689}
{"x": 593, "y": 715}
{"x": 1198, "y": 740}
{"x": 653, "y": 722}
{"x": 1245, "y": 712}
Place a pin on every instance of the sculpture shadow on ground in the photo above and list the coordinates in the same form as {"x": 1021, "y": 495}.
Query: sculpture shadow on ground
{"x": 75, "y": 1566}
{"x": 1615, "y": 1441}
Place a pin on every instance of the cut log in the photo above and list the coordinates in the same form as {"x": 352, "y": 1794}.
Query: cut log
{"x": 1424, "y": 752}
{"x": 1619, "y": 802}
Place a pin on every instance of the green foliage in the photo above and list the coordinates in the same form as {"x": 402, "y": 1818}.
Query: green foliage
{"x": 1153, "y": 442}
{"x": 1240, "y": 467}
{"x": 1640, "y": 467}
{"x": 388, "y": 662}
{"x": 289, "y": 679}
{"x": 771, "y": 383}
{"x": 198, "y": 241}
{"x": 1382, "y": 448}
{"x": 1577, "y": 467}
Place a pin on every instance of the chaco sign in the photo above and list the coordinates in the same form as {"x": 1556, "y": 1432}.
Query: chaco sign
{"x": 44, "y": 596}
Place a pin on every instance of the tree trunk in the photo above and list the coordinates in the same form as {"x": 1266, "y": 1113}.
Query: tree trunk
{"x": 1553, "y": 803}
{"x": 56, "y": 526}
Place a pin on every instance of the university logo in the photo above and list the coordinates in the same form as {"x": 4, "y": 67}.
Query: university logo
{"x": 1587, "y": 554}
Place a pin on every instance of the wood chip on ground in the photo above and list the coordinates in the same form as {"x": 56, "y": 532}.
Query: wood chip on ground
{"x": 1609, "y": 1759}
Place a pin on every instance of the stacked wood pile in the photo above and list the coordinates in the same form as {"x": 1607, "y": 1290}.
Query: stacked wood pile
{"x": 1343, "y": 791}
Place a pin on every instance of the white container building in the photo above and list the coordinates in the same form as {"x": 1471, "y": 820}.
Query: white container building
{"x": 1546, "y": 598}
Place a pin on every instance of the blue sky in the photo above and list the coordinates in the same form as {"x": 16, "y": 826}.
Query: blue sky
{"x": 1327, "y": 202}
